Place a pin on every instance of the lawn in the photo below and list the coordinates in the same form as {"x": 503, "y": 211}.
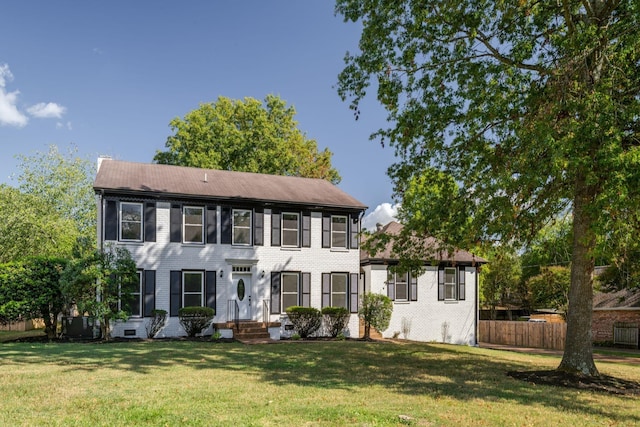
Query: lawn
{"x": 294, "y": 383}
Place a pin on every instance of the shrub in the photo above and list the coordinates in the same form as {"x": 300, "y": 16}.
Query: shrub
{"x": 306, "y": 320}
{"x": 375, "y": 311}
{"x": 156, "y": 322}
{"x": 194, "y": 320}
{"x": 335, "y": 320}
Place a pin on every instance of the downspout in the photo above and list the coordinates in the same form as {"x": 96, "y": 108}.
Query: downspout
{"x": 476, "y": 308}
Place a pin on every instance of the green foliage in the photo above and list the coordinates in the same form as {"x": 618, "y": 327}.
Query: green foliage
{"x": 552, "y": 246}
{"x": 306, "y": 320}
{"x": 30, "y": 289}
{"x": 246, "y": 135}
{"x": 100, "y": 282}
{"x": 500, "y": 282}
{"x": 531, "y": 109}
{"x": 156, "y": 322}
{"x": 194, "y": 320}
{"x": 375, "y": 310}
{"x": 550, "y": 289}
{"x": 335, "y": 320}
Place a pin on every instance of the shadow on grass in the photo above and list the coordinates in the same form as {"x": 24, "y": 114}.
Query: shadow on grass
{"x": 461, "y": 373}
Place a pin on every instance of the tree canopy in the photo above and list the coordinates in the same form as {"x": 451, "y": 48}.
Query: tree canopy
{"x": 246, "y": 135}
{"x": 532, "y": 108}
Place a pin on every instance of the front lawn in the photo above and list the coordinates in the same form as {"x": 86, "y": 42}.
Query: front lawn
{"x": 293, "y": 383}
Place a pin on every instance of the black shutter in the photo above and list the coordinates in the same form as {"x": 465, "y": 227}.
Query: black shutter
{"x": 212, "y": 225}
{"x": 354, "y": 232}
{"x": 326, "y": 231}
{"x": 461, "y": 284}
{"x": 306, "y": 229}
{"x": 150, "y": 222}
{"x": 440, "y": 284}
{"x": 353, "y": 292}
{"x": 210, "y": 283}
{"x": 275, "y": 292}
{"x": 225, "y": 226}
{"x": 175, "y": 293}
{"x": 413, "y": 288}
{"x": 306, "y": 290}
{"x": 326, "y": 289}
{"x": 258, "y": 228}
{"x": 175, "y": 218}
{"x": 276, "y": 226}
{"x": 391, "y": 286}
{"x": 111, "y": 220}
{"x": 149, "y": 292}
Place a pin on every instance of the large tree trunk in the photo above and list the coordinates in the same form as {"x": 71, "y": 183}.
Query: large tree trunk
{"x": 578, "y": 351}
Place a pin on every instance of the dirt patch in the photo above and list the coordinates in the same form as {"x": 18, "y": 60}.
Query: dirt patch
{"x": 601, "y": 383}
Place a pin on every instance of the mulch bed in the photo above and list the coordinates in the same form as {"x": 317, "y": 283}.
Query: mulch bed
{"x": 601, "y": 383}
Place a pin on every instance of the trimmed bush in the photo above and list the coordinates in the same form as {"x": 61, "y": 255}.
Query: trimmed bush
{"x": 194, "y": 320}
{"x": 335, "y": 320}
{"x": 306, "y": 320}
{"x": 156, "y": 322}
{"x": 375, "y": 310}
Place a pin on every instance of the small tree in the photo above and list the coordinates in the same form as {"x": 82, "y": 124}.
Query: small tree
{"x": 306, "y": 320}
{"x": 194, "y": 320}
{"x": 99, "y": 282}
{"x": 335, "y": 320}
{"x": 156, "y": 322}
{"x": 375, "y": 311}
{"x": 550, "y": 289}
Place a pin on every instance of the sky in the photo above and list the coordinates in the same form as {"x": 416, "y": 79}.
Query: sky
{"x": 108, "y": 77}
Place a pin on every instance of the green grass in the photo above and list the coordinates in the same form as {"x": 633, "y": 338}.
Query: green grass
{"x": 294, "y": 383}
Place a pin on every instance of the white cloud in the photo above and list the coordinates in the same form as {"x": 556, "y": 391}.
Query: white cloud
{"x": 382, "y": 214}
{"x": 9, "y": 113}
{"x": 47, "y": 110}
{"x": 61, "y": 125}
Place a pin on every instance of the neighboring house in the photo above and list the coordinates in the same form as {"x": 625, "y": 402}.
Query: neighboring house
{"x": 615, "y": 308}
{"x": 440, "y": 305}
{"x": 248, "y": 245}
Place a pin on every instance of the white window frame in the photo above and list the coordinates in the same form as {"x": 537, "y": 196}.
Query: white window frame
{"x": 185, "y": 225}
{"x": 234, "y": 227}
{"x": 139, "y": 293}
{"x": 296, "y": 230}
{"x": 401, "y": 279}
{"x": 346, "y": 290}
{"x": 201, "y": 292}
{"x": 283, "y": 293}
{"x": 335, "y": 232}
{"x": 451, "y": 286}
{"x": 122, "y": 221}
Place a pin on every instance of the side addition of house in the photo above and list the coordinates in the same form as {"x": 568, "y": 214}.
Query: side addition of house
{"x": 439, "y": 305}
{"x": 247, "y": 245}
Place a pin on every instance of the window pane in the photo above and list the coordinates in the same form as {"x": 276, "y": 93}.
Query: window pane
{"x": 290, "y": 221}
{"x": 339, "y": 223}
{"x": 289, "y": 300}
{"x": 192, "y": 282}
{"x": 193, "y": 233}
{"x": 290, "y": 237}
{"x": 135, "y": 305}
{"x": 131, "y": 221}
{"x": 339, "y": 240}
{"x": 450, "y": 275}
{"x": 339, "y": 300}
{"x": 242, "y": 218}
{"x": 290, "y": 283}
{"x": 193, "y": 300}
{"x": 241, "y": 236}
{"x": 449, "y": 291}
{"x": 131, "y": 212}
{"x": 131, "y": 231}
{"x": 339, "y": 283}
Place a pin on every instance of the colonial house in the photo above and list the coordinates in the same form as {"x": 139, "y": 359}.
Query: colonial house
{"x": 247, "y": 245}
{"x": 439, "y": 305}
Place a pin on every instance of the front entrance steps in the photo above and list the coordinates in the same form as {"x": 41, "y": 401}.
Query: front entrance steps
{"x": 249, "y": 330}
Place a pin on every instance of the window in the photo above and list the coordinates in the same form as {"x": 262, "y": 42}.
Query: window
{"x": 133, "y": 304}
{"x": 131, "y": 222}
{"x": 450, "y": 284}
{"x": 241, "y": 227}
{"x": 192, "y": 290}
{"x": 339, "y": 232}
{"x": 193, "y": 224}
{"x": 339, "y": 284}
{"x": 290, "y": 290}
{"x": 290, "y": 229}
{"x": 398, "y": 284}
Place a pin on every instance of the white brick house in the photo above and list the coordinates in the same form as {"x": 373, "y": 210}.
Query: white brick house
{"x": 248, "y": 245}
{"x": 440, "y": 305}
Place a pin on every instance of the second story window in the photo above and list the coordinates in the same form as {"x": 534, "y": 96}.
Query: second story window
{"x": 290, "y": 229}
{"x": 193, "y": 224}
{"x": 131, "y": 222}
{"x": 241, "y": 227}
{"x": 338, "y": 231}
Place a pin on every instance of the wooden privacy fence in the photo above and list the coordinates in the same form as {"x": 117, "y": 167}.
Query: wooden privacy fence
{"x": 523, "y": 334}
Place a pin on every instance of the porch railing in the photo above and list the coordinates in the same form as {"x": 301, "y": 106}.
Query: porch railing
{"x": 233, "y": 312}
{"x": 265, "y": 311}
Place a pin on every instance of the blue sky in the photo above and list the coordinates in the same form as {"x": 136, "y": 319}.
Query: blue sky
{"x": 108, "y": 77}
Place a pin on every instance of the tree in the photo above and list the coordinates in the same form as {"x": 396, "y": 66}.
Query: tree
{"x": 31, "y": 227}
{"x": 375, "y": 310}
{"x": 551, "y": 246}
{"x": 530, "y": 107}
{"x": 100, "y": 283}
{"x": 63, "y": 182}
{"x": 30, "y": 289}
{"x": 245, "y": 135}
{"x": 500, "y": 282}
{"x": 550, "y": 289}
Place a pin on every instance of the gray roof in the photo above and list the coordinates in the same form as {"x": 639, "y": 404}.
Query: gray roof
{"x": 393, "y": 229}
{"x": 115, "y": 176}
{"x": 622, "y": 299}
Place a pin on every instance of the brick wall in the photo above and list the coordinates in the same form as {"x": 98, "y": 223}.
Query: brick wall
{"x": 603, "y": 320}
